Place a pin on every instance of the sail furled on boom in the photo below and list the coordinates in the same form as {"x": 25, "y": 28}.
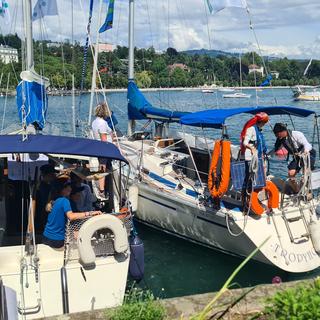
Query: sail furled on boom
{"x": 140, "y": 108}
{"x": 32, "y": 102}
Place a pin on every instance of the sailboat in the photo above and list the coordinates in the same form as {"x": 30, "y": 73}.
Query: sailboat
{"x": 238, "y": 94}
{"x": 171, "y": 186}
{"x": 90, "y": 271}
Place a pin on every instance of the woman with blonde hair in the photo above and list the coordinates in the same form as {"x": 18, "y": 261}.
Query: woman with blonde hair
{"x": 101, "y": 130}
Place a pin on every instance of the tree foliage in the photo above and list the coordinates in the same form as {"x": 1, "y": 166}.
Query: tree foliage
{"x": 166, "y": 69}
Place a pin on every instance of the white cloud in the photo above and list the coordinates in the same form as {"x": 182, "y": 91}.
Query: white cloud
{"x": 284, "y": 28}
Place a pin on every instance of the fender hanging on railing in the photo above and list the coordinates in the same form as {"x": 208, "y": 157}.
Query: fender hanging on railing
{"x": 105, "y": 221}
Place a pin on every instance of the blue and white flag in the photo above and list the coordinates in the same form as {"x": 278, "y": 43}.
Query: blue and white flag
{"x": 44, "y": 8}
{"x": 4, "y": 11}
{"x": 218, "y": 5}
{"x": 109, "y": 18}
{"x": 267, "y": 81}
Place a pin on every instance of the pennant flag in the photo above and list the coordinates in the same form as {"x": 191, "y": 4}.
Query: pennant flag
{"x": 109, "y": 18}
{"x": 4, "y": 11}
{"x": 267, "y": 81}
{"x": 44, "y": 8}
{"x": 218, "y": 5}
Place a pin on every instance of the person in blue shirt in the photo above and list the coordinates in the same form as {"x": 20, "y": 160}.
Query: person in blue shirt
{"x": 60, "y": 211}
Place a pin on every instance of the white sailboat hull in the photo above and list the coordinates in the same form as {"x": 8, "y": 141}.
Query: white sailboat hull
{"x": 99, "y": 287}
{"x": 208, "y": 227}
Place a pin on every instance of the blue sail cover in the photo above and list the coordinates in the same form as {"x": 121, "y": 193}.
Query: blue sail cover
{"x": 139, "y": 107}
{"x": 59, "y": 145}
{"x": 216, "y": 118}
{"x": 32, "y": 102}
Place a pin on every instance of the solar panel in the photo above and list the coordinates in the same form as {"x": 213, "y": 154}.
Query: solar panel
{"x": 238, "y": 174}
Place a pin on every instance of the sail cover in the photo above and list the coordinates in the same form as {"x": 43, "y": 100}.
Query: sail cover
{"x": 216, "y": 118}
{"x": 32, "y": 102}
{"x": 140, "y": 108}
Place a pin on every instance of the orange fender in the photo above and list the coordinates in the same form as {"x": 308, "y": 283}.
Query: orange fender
{"x": 273, "y": 198}
{"x": 222, "y": 149}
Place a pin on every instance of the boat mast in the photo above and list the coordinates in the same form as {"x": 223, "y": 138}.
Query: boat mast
{"x": 240, "y": 72}
{"x": 131, "y": 123}
{"x": 95, "y": 67}
{"x": 28, "y": 37}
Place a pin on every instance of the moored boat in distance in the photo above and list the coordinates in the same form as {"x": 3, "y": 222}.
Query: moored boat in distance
{"x": 237, "y": 95}
{"x": 306, "y": 93}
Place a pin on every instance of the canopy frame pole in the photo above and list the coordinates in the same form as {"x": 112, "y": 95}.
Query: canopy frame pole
{"x": 194, "y": 163}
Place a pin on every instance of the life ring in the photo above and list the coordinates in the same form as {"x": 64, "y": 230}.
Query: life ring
{"x": 222, "y": 149}
{"x": 273, "y": 198}
{"x": 86, "y": 252}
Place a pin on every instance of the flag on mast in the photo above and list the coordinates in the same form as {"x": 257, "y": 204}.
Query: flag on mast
{"x": 109, "y": 18}
{"x": 44, "y": 8}
{"x": 4, "y": 11}
{"x": 218, "y": 5}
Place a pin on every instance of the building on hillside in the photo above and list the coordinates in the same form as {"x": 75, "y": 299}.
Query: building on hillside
{"x": 255, "y": 68}
{"x": 8, "y": 54}
{"x": 104, "y": 47}
{"x": 275, "y": 74}
{"x": 180, "y": 66}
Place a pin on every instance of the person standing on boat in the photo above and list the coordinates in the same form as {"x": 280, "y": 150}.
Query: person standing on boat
{"x": 252, "y": 140}
{"x": 296, "y": 144}
{"x": 101, "y": 131}
{"x": 252, "y": 143}
{"x": 60, "y": 211}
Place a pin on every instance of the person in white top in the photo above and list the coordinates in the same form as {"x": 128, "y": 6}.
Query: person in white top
{"x": 101, "y": 131}
{"x": 296, "y": 144}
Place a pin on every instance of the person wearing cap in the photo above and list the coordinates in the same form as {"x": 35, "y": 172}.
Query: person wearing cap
{"x": 85, "y": 198}
{"x": 252, "y": 143}
{"x": 296, "y": 144}
{"x": 252, "y": 140}
{"x": 59, "y": 209}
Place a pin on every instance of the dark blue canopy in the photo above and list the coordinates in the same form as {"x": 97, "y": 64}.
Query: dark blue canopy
{"x": 59, "y": 145}
{"x": 140, "y": 108}
{"x": 216, "y": 118}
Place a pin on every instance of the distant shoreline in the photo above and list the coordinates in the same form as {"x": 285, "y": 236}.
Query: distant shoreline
{"x": 190, "y": 89}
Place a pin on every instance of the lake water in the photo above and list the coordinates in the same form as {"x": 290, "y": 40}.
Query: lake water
{"x": 175, "y": 267}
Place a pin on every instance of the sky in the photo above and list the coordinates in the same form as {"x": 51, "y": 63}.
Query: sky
{"x": 283, "y": 28}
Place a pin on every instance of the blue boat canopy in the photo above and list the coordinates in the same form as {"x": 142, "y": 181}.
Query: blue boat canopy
{"x": 217, "y": 117}
{"x": 140, "y": 108}
{"x": 59, "y": 145}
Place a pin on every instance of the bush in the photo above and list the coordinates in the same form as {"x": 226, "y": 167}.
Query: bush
{"x": 299, "y": 303}
{"x": 138, "y": 305}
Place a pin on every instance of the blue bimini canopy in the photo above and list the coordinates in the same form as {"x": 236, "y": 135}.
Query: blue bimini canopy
{"x": 140, "y": 108}
{"x": 32, "y": 102}
{"x": 59, "y": 145}
{"x": 217, "y": 117}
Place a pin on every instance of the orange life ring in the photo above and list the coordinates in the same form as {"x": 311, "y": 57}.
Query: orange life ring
{"x": 273, "y": 200}
{"x": 222, "y": 149}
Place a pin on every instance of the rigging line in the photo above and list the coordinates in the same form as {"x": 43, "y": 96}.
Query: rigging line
{"x": 84, "y": 65}
{"x": 251, "y": 26}
{"x": 5, "y": 102}
{"x": 150, "y": 26}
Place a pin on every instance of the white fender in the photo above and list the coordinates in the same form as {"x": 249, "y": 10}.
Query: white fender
{"x": 86, "y": 253}
{"x": 133, "y": 195}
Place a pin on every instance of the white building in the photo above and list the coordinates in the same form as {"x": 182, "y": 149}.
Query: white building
{"x": 104, "y": 47}
{"x": 275, "y": 74}
{"x": 8, "y": 54}
{"x": 255, "y": 68}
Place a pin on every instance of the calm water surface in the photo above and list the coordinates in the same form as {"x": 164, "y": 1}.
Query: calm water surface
{"x": 175, "y": 267}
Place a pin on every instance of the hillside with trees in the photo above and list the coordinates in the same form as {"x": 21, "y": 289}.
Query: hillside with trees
{"x": 152, "y": 69}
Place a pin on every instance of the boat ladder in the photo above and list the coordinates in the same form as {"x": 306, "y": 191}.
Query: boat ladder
{"x": 289, "y": 221}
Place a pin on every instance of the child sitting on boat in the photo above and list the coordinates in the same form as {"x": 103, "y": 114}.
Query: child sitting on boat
{"x": 59, "y": 209}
